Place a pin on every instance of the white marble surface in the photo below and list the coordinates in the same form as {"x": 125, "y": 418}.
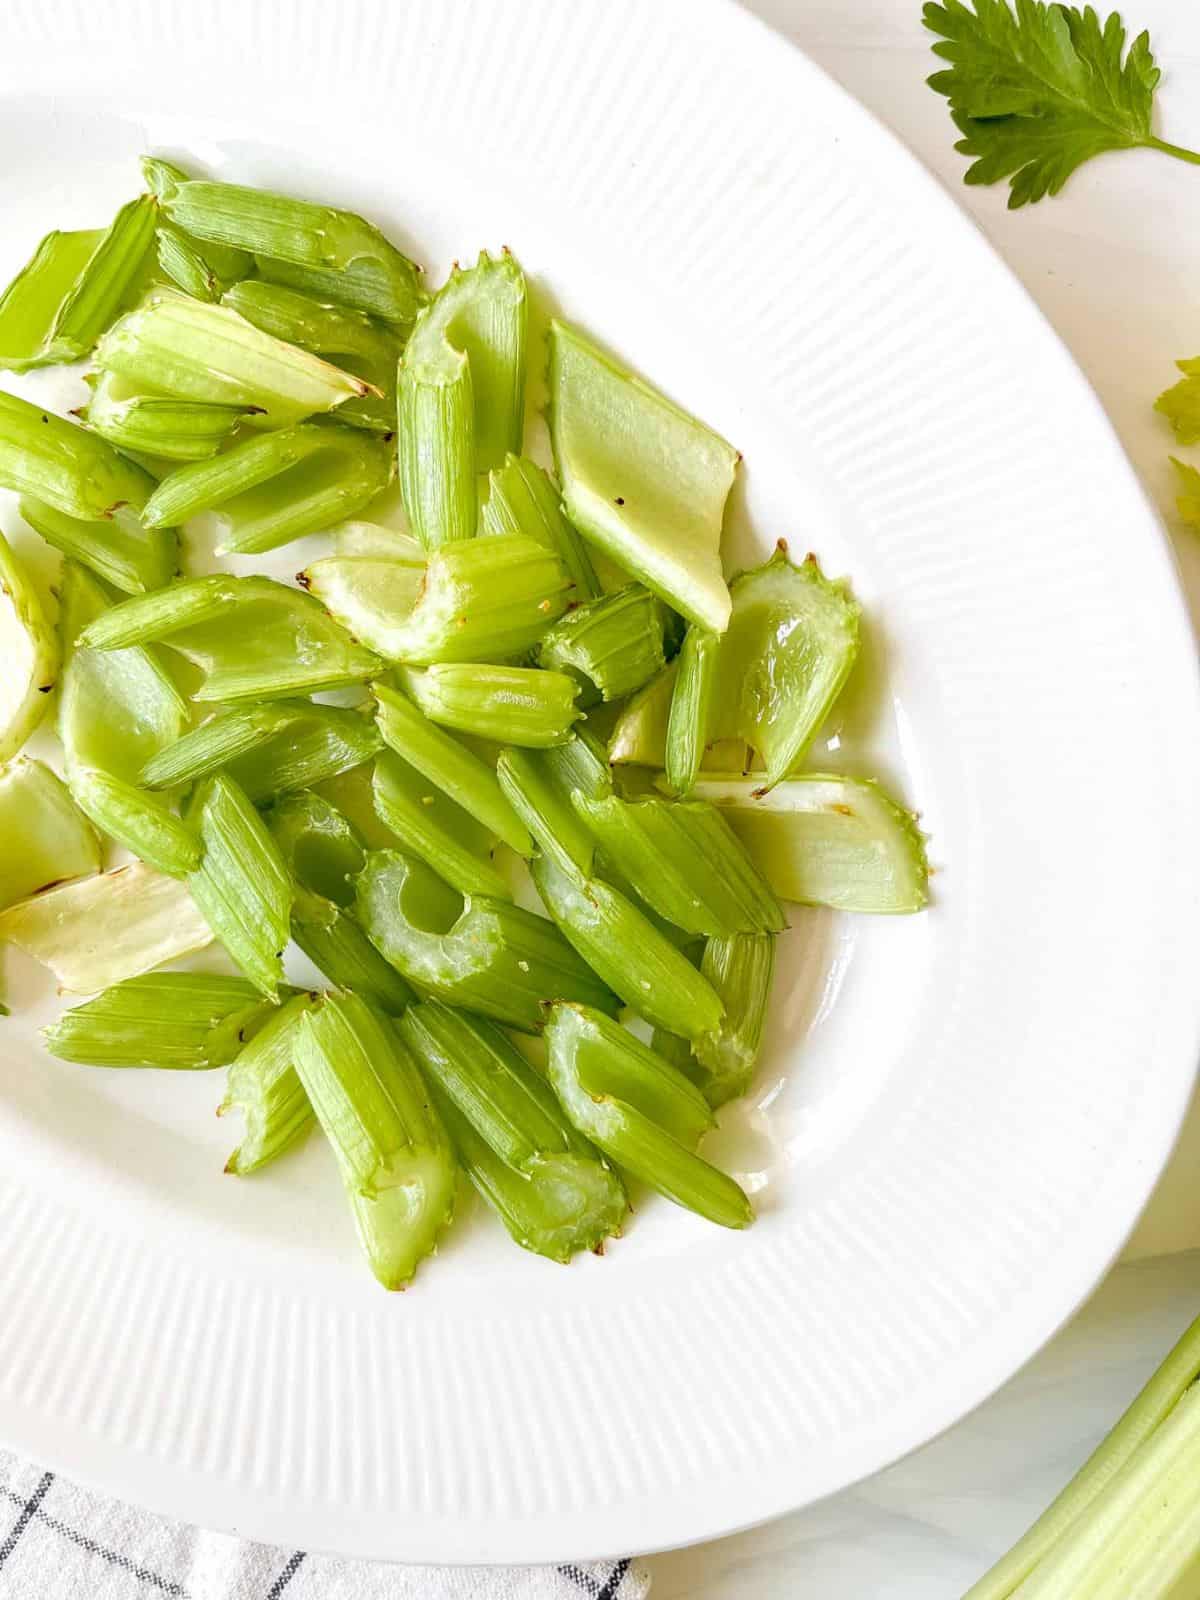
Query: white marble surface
{"x": 1115, "y": 264}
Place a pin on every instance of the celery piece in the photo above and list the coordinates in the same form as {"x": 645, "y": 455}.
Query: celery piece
{"x": 190, "y": 349}
{"x": 97, "y": 931}
{"x": 47, "y": 839}
{"x": 446, "y": 763}
{"x": 105, "y": 282}
{"x": 1187, "y": 501}
{"x": 552, "y": 1190}
{"x": 241, "y": 885}
{"x": 187, "y": 1021}
{"x": 485, "y": 955}
{"x": 740, "y": 969}
{"x": 161, "y": 177}
{"x": 263, "y": 1084}
{"x": 204, "y": 485}
{"x": 513, "y": 705}
{"x": 373, "y": 597}
{"x": 691, "y": 707}
{"x": 118, "y": 549}
{"x": 431, "y": 825}
{"x": 641, "y": 478}
{"x": 640, "y": 735}
{"x": 642, "y": 1112}
{"x": 372, "y": 541}
{"x": 522, "y": 499}
{"x": 792, "y": 640}
{"x": 685, "y": 861}
{"x": 205, "y": 272}
{"x": 622, "y": 945}
{"x": 614, "y": 643}
{"x": 63, "y": 464}
{"x": 348, "y": 472}
{"x": 29, "y": 650}
{"x": 175, "y": 430}
{"x": 826, "y": 840}
{"x": 31, "y": 301}
{"x": 141, "y": 822}
{"x": 542, "y": 800}
{"x": 225, "y": 736}
{"x": 395, "y": 1157}
{"x": 253, "y": 638}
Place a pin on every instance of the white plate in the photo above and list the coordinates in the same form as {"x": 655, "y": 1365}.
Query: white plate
{"x": 960, "y": 1114}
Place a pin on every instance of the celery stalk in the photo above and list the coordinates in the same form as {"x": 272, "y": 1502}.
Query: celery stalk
{"x": 265, "y": 1087}
{"x": 431, "y": 825}
{"x": 204, "y": 485}
{"x": 344, "y": 475}
{"x": 615, "y": 643}
{"x": 541, "y": 799}
{"x": 31, "y": 301}
{"x": 522, "y": 499}
{"x": 741, "y": 969}
{"x": 639, "y": 738}
{"x": 105, "y": 282}
{"x": 513, "y": 705}
{"x": 141, "y": 822}
{"x": 372, "y": 541}
{"x": 691, "y": 707}
{"x": 63, "y": 464}
{"x": 47, "y": 838}
{"x": 118, "y": 549}
{"x": 160, "y": 176}
{"x": 204, "y": 272}
{"x": 29, "y": 650}
{"x": 175, "y": 430}
{"x": 187, "y": 1021}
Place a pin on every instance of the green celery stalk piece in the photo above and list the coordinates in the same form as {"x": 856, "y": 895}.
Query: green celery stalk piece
{"x": 395, "y": 1157}
{"x": 68, "y": 467}
{"x": 791, "y": 643}
{"x": 482, "y": 954}
{"x": 523, "y": 499}
{"x": 643, "y": 1113}
{"x": 372, "y": 541}
{"x": 435, "y": 827}
{"x": 352, "y": 793}
{"x": 186, "y": 1021}
{"x": 540, "y": 794}
{"x": 47, "y": 839}
{"x": 614, "y": 643}
{"x": 31, "y": 301}
{"x": 822, "y": 839}
{"x": 551, "y": 1189}
{"x": 119, "y": 549}
{"x": 161, "y": 177}
{"x": 640, "y": 735}
{"x": 349, "y": 470}
{"x": 691, "y": 707}
{"x": 30, "y": 652}
{"x": 513, "y": 705}
{"x": 640, "y": 478}
{"x": 373, "y": 597}
{"x": 141, "y": 822}
{"x": 106, "y": 281}
{"x": 241, "y": 885}
{"x": 173, "y": 430}
{"x": 741, "y": 970}
{"x": 263, "y": 1084}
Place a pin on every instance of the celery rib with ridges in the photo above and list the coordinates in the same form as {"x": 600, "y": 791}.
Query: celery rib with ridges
{"x": 512, "y": 705}
{"x": 741, "y": 969}
{"x": 522, "y": 499}
{"x": 615, "y": 643}
{"x": 641, "y": 1111}
{"x": 263, "y": 1084}
{"x": 431, "y": 825}
{"x": 552, "y": 1190}
{"x": 176, "y": 430}
{"x": 75, "y": 471}
{"x": 395, "y": 1157}
{"x": 56, "y": 841}
{"x": 187, "y": 1021}
{"x": 691, "y": 707}
{"x": 29, "y": 649}
{"x": 31, "y": 301}
{"x": 119, "y": 549}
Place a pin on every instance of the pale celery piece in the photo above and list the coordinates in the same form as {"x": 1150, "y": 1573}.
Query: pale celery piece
{"x": 686, "y": 862}
{"x": 344, "y": 475}
{"x": 203, "y": 269}
{"x": 96, "y": 931}
{"x": 460, "y": 396}
{"x": 68, "y": 467}
{"x": 254, "y": 639}
{"x": 265, "y": 1087}
{"x": 540, "y": 793}
{"x": 483, "y": 954}
{"x": 791, "y": 642}
{"x": 46, "y": 838}
{"x": 523, "y": 499}
{"x": 175, "y": 430}
{"x": 691, "y": 707}
{"x": 433, "y": 826}
{"x": 552, "y": 1190}
{"x": 29, "y": 651}
{"x": 186, "y": 1021}
{"x": 513, "y": 705}
{"x": 639, "y": 737}
{"x": 622, "y": 945}
{"x": 31, "y": 301}
{"x": 241, "y": 885}
{"x": 641, "y": 478}
{"x": 353, "y": 795}
{"x": 642, "y": 1112}
{"x": 615, "y": 643}
{"x": 206, "y": 484}
{"x": 826, "y": 840}
{"x": 373, "y": 597}
{"x": 395, "y": 1157}
{"x": 1187, "y": 501}
{"x": 373, "y": 541}
{"x": 741, "y": 969}
{"x": 118, "y": 549}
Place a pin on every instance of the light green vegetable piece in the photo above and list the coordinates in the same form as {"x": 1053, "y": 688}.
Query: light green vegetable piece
{"x": 29, "y": 652}
{"x": 186, "y": 1021}
{"x": 512, "y": 705}
{"x": 691, "y": 707}
{"x": 68, "y": 467}
{"x": 265, "y": 1087}
{"x": 31, "y": 301}
{"x": 434, "y": 827}
{"x": 119, "y": 549}
{"x": 741, "y": 969}
{"x": 523, "y": 499}
{"x": 175, "y": 430}
{"x": 614, "y": 644}
{"x": 1187, "y": 502}
{"x": 46, "y": 838}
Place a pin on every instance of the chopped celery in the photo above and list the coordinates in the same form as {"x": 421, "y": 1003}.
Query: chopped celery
{"x": 615, "y": 643}
{"x": 371, "y": 596}
{"x": 29, "y": 651}
{"x": 141, "y": 822}
{"x": 826, "y": 840}
{"x": 541, "y": 797}
{"x": 642, "y": 1112}
{"x": 691, "y": 707}
{"x": 792, "y": 640}
{"x": 513, "y": 705}
{"x": 105, "y": 282}
{"x": 552, "y": 1190}
{"x": 482, "y": 954}
{"x": 96, "y": 931}
{"x": 225, "y": 736}
{"x": 188, "y": 1021}
{"x": 118, "y": 549}
{"x": 1187, "y": 501}
{"x": 371, "y": 540}
{"x": 47, "y": 839}
{"x": 640, "y": 477}
{"x": 31, "y": 301}
{"x": 640, "y": 736}
{"x": 161, "y": 177}
{"x": 522, "y": 499}
{"x": 393, "y": 1151}
{"x": 203, "y": 272}
{"x": 241, "y": 885}
{"x": 265, "y": 1087}
{"x": 347, "y": 472}
{"x": 740, "y": 969}
{"x": 63, "y": 464}
{"x": 177, "y": 430}
{"x": 433, "y": 826}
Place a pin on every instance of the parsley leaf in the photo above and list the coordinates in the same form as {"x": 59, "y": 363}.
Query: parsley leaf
{"x": 1181, "y": 404}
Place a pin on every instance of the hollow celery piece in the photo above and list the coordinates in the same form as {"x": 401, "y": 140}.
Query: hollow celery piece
{"x": 823, "y": 839}
{"x": 265, "y": 1087}
{"x": 741, "y": 970}
{"x": 640, "y": 478}
{"x": 552, "y": 1190}
{"x": 691, "y": 707}
{"x": 175, "y": 345}
{"x": 106, "y": 281}
{"x": 96, "y": 931}
{"x": 118, "y": 549}
{"x": 522, "y": 499}
{"x": 74, "y": 471}
{"x": 344, "y": 475}
{"x": 254, "y": 639}
{"x": 443, "y": 761}
{"x": 241, "y": 885}
{"x": 175, "y": 430}
{"x": 686, "y": 862}
{"x": 29, "y": 651}
{"x": 31, "y": 301}
{"x": 47, "y": 839}
{"x": 395, "y": 1157}
{"x": 371, "y": 596}
{"x": 482, "y": 954}
{"x": 513, "y": 705}
{"x": 642, "y": 1112}
{"x": 614, "y": 643}
{"x": 622, "y": 945}
{"x": 187, "y": 1021}
{"x": 433, "y": 826}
